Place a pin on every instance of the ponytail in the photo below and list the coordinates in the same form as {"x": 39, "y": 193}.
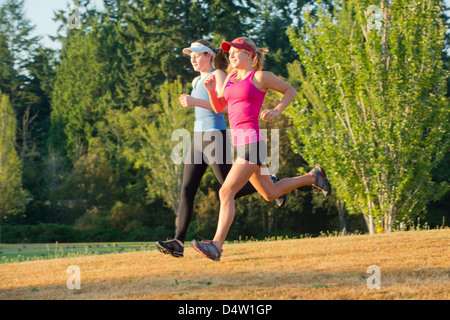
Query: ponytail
{"x": 221, "y": 60}
{"x": 258, "y": 60}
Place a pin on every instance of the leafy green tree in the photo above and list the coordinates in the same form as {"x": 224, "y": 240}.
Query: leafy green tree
{"x": 437, "y": 213}
{"x": 373, "y": 106}
{"x": 158, "y": 152}
{"x": 13, "y": 196}
{"x": 140, "y": 142}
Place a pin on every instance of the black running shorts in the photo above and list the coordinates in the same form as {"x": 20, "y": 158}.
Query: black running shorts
{"x": 254, "y": 153}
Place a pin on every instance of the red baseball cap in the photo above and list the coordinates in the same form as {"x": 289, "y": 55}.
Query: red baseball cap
{"x": 239, "y": 44}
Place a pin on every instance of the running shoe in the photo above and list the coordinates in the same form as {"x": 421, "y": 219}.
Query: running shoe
{"x": 282, "y": 199}
{"x": 322, "y": 182}
{"x": 208, "y": 249}
{"x": 172, "y": 247}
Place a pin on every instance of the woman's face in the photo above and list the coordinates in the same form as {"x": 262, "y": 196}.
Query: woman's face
{"x": 200, "y": 61}
{"x": 238, "y": 58}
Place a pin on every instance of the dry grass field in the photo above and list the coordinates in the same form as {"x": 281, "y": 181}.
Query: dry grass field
{"x": 413, "y": 265}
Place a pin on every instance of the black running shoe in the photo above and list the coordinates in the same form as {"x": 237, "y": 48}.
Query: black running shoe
{"x": 171, "y": 247}
{"x": 282, "y": 199}
{"x": 322, "y": 182}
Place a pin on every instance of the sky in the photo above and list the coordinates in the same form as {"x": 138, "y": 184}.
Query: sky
{"x": 40, "y": 12}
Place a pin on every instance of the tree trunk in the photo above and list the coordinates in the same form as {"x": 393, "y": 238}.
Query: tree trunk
{"x": 342, "y": 217}
{"x": 369, "y": 218}
{"x": 389, "y": 219}
{"x": 270, "y": 221}
{"x": 386, "y": 222}
{"x": 370, "y": 224}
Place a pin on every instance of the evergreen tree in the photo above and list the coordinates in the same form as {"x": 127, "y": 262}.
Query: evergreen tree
{"x": 7, "y": 71}
{"x": 35, "y": 121}
{"x": 78, "y": 92}
{"x": 151, "y": 38}
{"x": 152, "y": 34}
{"x": 229, "y": 19}
{"x": 272, "y": 21}
{"x": 13, "y": 196}
{"x": 269, "y": 29}
{"x": 17, "y": 29}
{"x": 26, "y": 75}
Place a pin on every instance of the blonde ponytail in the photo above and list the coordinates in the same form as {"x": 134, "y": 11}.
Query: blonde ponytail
{"x": 258, "y": 61}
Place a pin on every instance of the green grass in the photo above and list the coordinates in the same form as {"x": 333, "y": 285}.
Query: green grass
{"x": 10, "y": 253}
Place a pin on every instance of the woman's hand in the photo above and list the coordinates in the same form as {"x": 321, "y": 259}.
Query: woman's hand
{"x": 264, "y": 81}
{"x": 210, "y": 83}
{"x": 270, "y": 114}
{"x": 187, "y": 100}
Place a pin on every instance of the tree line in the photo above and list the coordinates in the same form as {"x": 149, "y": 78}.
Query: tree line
{"x": 85, "y": 137}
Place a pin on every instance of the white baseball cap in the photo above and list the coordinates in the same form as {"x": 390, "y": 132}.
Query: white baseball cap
{"x": 199, "y": 48}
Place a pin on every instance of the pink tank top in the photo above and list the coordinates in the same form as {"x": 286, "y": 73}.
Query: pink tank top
{"x": 244, "y": 104}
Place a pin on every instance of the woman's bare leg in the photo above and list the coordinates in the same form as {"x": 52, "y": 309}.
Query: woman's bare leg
{"x": 264, "y": 185}
{"x": 239, "y": 175}
{"x": 241, "y": 172}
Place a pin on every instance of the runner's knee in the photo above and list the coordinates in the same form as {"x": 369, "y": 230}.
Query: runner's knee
{"x": 226, "y": 192}
{"x": 268, "y": 196}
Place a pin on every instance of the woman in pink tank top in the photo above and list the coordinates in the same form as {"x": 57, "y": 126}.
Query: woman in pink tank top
{"x": 243, "y": 93}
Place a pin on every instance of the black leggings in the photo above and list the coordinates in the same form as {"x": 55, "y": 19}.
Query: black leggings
{"x": 207, "y": 148}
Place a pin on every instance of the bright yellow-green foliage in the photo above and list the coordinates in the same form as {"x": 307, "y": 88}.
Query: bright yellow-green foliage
{"x": 373, "y": 107}
{"x": 12, "y": 196}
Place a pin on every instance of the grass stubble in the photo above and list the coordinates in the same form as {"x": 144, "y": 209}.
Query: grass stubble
{"x": 413, "y": 265}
